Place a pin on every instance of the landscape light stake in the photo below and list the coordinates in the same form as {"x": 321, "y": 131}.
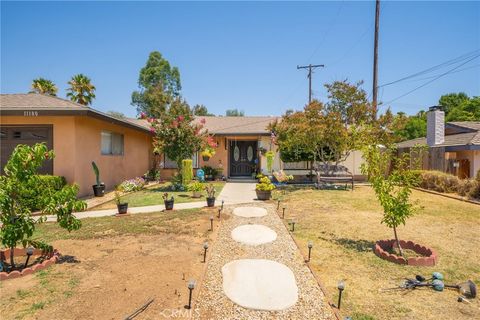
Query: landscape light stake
{"x": 293, "y": 225}
{"x": 219, "y": 211}
{"x": 310, "y": 246}
{"x": 205, "y": 247}
{"x": 191, "y": 286}
{"x": 211, "y": 223}
{"x": 222, "y": 205}
{"x": 283, "y": 214}
{"x": 29, "y": 254}
{"x": 278, "y": 204}
{"x": 341, "y": 287}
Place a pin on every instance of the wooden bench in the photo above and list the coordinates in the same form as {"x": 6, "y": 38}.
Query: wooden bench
{"x": 334, "y": 175}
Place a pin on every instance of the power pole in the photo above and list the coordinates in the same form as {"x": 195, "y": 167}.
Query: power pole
{"x": 375, "y": 57}
{"x": 310, "y": 68}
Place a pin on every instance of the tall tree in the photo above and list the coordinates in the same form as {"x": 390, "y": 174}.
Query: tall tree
{"x": 81, "y": 89}
{"x": 201, "y": 110}
{"x": 159, "y": 85}
{"x": 44, "y": 86}
{"x": 234, "y": 113}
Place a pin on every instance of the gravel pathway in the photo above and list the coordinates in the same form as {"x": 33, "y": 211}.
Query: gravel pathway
{"x": 212, "y": 303}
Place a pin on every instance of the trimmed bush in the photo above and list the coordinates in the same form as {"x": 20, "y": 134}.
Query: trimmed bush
{"x": 32, "y": 196}
{"x": 447, "y": 183}
{"x": 187, "y": 171}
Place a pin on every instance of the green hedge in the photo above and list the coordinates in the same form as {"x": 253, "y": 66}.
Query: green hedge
{"x": 35, "y": 189}
{"x": 187, "y": 171}
{"x": 447, "y": 183}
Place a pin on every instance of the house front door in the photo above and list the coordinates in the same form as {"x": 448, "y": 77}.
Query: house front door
{"x": 243, "y": 156}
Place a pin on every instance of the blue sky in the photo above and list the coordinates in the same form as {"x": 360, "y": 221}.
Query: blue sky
{"x": 241, "y": 55}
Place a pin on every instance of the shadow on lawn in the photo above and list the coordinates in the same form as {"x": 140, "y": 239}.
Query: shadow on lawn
{"x": 67, "y": 259}
{"x": 359, "y": 245}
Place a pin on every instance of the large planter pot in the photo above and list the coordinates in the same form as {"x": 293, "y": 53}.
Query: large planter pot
{"x": 210, "y": 202}
{"x": 263, "y": 195}
{"x": 197, "y": 194}
{"x": 168, "y": 204}
{"x": 122, "y": 208}
{"x": 98, "y": 190}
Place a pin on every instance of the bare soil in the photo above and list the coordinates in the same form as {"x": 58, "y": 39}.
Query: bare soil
{"x": 110, "y": 272}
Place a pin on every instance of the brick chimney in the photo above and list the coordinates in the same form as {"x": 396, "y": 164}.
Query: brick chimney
{"x": 435, "y": 126}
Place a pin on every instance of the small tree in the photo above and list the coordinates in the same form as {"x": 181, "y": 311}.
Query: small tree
{"x": 18, "y": 224}
{"x": 392, "y": 181}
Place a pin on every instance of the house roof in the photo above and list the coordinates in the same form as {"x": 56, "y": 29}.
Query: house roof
{"x": 18, "y": 104}
{"x": 229, "y": 125}
{"x": 471, "y": 136}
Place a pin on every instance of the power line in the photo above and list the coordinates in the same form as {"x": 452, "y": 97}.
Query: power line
{"x": 434, "y": 79}
{"x": 436, "y": 67}
{"x": 310, "y": 68}
{"x": 456, "y": 71}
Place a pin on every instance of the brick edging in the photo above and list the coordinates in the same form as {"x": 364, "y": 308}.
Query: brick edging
{"x": 52, "y": 259}
{"x": 429, "y": 256}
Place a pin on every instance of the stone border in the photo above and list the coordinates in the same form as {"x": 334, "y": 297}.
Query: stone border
{"x": 429, "y": 258}
{"x": 52, "y": 258}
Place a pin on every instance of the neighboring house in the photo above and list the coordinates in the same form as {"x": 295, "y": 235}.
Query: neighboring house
{"x": 78, "y": 135}
{"x": 453, "y": 147}
{"x": 122, "y": 148}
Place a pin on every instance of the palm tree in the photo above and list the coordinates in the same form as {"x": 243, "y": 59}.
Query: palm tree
{"x": 81, "y": 89}
{"x": 44, "y": 86}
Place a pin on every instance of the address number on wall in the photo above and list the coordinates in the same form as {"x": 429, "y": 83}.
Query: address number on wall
{"x": 30, "y": 113}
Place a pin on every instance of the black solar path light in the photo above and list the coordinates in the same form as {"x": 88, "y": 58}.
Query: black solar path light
{"x": 310, "y": 246}
{"x": 191, "y": 286}
{"x": 223, "y": 201}
{"x": 211, "y": 223}
{"x": 219, "y": 211}
{"x": 29, "y": 254}
{"x": 205, "y": 248}
{"x": 278, "y": 204}
{"x": 283, "y": 214}
{"x": 293, "y": 225}
{"x": 341, "y": 287}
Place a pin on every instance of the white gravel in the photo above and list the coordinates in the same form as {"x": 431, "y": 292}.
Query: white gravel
{"x": 212, "y": 303}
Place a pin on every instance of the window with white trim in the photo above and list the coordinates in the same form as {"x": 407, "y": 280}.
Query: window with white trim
{"x": 111, "y": 143}
{"x": 170, "y": 164}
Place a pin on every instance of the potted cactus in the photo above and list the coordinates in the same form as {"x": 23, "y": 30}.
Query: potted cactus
{"x": 99, "y": 188}
{"x": 168, "y": 202}
{"x": 210, "y": 195}
{"x": 264, "y": 188}
{"x": 122, "y": 207}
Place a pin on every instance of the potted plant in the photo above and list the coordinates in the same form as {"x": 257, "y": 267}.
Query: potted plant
{"x": 99, "y": 188}
{"x": 210, "y": 195}
{"x": 122, "y": 207}
{"x": 168, "y": 202}
{"x": 264, "y": 188}
{"x": 208, "y": 153}
{"x": 196, "y": 188}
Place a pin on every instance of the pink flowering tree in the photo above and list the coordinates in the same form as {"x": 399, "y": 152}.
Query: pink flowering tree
{"x": 177, "y": 135}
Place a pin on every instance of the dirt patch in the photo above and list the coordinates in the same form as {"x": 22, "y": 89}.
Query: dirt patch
{"x": 109, "y": 277}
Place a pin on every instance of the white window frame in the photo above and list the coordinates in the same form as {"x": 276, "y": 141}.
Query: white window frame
{"x": 112, "y": 149}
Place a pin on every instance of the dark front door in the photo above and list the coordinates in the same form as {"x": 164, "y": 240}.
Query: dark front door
{"x": 243, "y": 156}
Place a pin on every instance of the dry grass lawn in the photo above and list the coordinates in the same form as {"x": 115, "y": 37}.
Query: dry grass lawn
{"x": 112, "y": 266}
{"x": 344, "y": 225}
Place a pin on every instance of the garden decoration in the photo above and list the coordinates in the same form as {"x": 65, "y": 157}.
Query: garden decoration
{"x": 200, "y": 175}
{"x": 99, "y": 188}
{"x": 264, "y": 189}
{"x": 168, "y": 202}
{"x": 340, "y": 287}
{"x": 196, "y": 188}
{"x": 191, "y": 286}
{"x": 121, "y": 206}
{"x": 205, "y": 248}
{"x": 18, "y": 225}
{"x": 210, "y": 188}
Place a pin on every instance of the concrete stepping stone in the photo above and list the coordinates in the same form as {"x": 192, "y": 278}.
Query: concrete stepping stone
{"x": 250, "y": 212}
{"x": 253, "y": 234}
{"x": 259, "y": 284}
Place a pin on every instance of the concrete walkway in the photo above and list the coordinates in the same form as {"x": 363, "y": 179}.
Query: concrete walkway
{"x": 232, "y": 193}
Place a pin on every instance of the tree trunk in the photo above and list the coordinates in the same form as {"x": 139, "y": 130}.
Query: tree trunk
{"x": 398, "y": 242}
{"x": 12, "y": 262}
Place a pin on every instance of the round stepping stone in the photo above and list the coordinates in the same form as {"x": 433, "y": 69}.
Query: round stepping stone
{"x": 250, "y": 212}
{"x": 253, "y": 234}
{"x": 259, "y": 284}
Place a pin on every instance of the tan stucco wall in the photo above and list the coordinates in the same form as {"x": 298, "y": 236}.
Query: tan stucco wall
{"x": 76, "y": 142}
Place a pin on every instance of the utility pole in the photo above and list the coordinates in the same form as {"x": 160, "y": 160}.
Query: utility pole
{"x": 310, "y": 68}
{"x": 375, "y": 57}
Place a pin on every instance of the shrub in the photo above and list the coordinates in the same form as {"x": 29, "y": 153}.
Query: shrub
{"x": 447, "y": 183}
{"x": 130, "y": 185}
{"x": 265, "y": 185}
{"x": 195, "y": 186}
{"x": 32, "y": 195}
{"x": 187, "y": 171}
{"x": 209, "y": 171}
{"x": 210, "y": 190}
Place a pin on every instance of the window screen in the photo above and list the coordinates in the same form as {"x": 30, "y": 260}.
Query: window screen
{"x": 111, "y": 143}
{"x": 170, "y": 164}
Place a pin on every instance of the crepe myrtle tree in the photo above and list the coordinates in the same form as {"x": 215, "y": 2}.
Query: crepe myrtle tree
{"x": 18, "y": 225}
{"x": 176, "y": 134}
{"x": 392, "y": 180}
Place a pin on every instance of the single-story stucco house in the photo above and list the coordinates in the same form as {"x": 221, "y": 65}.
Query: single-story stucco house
{"x": 453, "y": 147}
{"x": 122, "y": 148}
